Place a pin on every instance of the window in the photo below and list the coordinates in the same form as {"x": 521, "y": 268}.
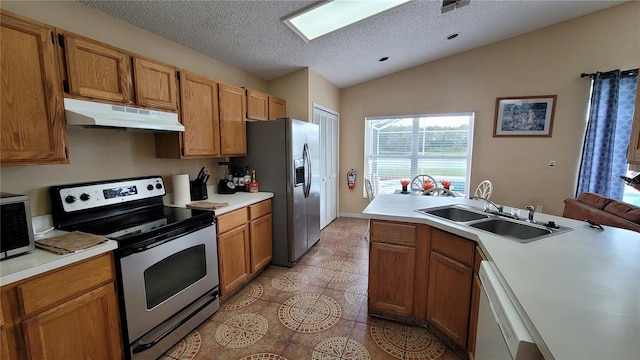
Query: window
{"x": 403, "y": 147}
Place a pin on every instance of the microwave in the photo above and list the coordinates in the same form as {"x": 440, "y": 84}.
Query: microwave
{"x": 17, "y": 230}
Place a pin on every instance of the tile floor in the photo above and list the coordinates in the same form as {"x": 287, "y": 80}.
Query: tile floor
{"x": 315, "y": 310}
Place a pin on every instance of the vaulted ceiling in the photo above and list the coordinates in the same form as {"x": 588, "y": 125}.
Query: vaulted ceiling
{"x": 251, "y": 36}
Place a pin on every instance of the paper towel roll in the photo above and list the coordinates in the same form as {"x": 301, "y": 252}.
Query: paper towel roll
{"x": 181, "y": 193}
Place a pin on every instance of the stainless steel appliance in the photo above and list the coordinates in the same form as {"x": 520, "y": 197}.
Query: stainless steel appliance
{"x": 501, "y": 332}
{"x": 167, "y": 261}
{"x": 285, "y": 154}
{"x": 17, "y": 230}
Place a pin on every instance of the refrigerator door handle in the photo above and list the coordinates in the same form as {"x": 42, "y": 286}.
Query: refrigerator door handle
{"x": 307, "y": 170}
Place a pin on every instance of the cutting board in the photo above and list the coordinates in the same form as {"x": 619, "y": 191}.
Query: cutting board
{"x": 207, "y": 205}
{"x": 69, "y": 243}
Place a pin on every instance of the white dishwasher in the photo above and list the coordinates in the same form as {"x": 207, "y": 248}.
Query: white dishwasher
{"x": 501, "y": 332}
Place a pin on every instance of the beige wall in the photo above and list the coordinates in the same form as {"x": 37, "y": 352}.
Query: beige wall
{"x": 322, "y": 92}
{"x": 111, "y": 154}
{"x": 547, "y": 61}
{"x": 293, "y": 87}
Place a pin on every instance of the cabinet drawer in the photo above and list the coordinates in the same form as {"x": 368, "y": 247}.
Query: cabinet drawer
{"x": 76, "y": 279}
{"x": 232, "y": 220}
{"x": 393, "y": 232}
{"x": 453, "y": 246}
{"x": 260, "y": 209}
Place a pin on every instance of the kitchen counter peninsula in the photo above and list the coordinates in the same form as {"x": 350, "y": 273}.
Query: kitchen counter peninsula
{"x": 577, "y": 292}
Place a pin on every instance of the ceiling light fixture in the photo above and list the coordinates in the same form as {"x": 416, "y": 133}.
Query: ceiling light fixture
{"x": 329, "y": 16}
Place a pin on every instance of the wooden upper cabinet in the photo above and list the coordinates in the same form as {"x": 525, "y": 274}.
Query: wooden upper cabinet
{"x": 233, "y": 129}
{"x": 633, "y": 154}
{"x": 32, "y": 129}
{"x": 199, "y": 115}
{"x": 257, "y": 105}
{"x": 96, "y": 70}
{"x": 277, "y": 108}
{"x": 156, "y": 84}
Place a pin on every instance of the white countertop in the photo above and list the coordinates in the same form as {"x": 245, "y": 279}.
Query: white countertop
{"x": 577, "y": 292}
{"x": 39, "y": 261}
{"x": 235, "y": 201}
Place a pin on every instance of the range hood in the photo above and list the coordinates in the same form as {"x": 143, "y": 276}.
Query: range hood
{"x": 92, "y": 114}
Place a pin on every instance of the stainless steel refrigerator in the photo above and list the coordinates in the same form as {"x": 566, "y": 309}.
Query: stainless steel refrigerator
{"x": 285, "y": 155}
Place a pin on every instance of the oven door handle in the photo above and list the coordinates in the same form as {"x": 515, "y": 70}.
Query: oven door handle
{"x": 141, "y": 346}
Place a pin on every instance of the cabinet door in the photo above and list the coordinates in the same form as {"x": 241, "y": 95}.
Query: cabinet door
{"x": 233, "y": 255}
{"x": 476, "y": 288}
{"x": 33, "y": 126}
{"x": 199, "y": 115}
{"x": 233, "y": 130}
{"x": 261, "y": 242}
{"x": 633, "y": 153}
{"x": 391, "y": 278}
{"x": 156, "y": 84}
{"x": 86, "y": 327}
{"x": 277, "y": 108}
{"x": 449, "y": 296}
{"x": 97, "y": 71}
{"x": 257, "y": 105}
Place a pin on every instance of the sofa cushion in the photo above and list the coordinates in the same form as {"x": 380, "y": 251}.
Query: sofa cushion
{"x": 624, "y": 210}
{"x": 595, "y": 200}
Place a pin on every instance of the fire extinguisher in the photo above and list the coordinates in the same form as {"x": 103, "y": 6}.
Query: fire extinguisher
{"x": 351, "y": 179}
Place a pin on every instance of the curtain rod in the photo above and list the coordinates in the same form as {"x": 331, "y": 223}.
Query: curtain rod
{"x": 629, "y": 72}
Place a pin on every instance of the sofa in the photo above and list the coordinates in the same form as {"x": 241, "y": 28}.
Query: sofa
{"x": 603, "y": 210}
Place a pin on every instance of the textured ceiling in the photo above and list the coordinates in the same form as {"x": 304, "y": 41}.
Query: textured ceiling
{"x": 249, "y": 35}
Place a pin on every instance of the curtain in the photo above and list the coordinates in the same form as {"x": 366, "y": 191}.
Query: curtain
{"x": 610, "y": 117}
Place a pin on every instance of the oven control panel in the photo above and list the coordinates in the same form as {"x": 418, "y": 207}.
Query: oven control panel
{"x": 88, "y": 196}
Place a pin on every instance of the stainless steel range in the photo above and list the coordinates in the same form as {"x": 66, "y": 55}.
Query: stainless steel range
{"x": 167, "y": 261}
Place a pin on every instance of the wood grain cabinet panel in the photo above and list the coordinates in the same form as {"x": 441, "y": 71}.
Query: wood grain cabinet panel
{"x": 234, "y": 262}
{"x": 277, "y": 108}
{"x": 95, "y": 70}
{"x": 257, "y": 105}
{"x": 67, "y": 313}
{"x": 233, "y": 129}
{"x": 82, "y": 328}
{"x": 449, "y": 297}
{"x": 261, "y": 242}
{"x": 32, "y": 129}
{"x": 200, "y": 117}
{"x": 391, "y": 278}
{"x": 156, "y": 84}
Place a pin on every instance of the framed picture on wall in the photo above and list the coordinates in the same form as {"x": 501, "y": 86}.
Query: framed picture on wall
{"x": 524, "y": 116}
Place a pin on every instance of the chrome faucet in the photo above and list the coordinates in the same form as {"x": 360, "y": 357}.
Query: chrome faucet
{"x": 532, "y": 210}
{"x": 500, "y": 208}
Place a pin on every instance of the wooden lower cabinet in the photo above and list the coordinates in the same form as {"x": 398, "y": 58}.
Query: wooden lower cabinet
{"x": 449, "y": 297}
{"x": 391, "y": 278}
{"x": 423, "y": 273}
{"x": 476, "y": 289}
{"x": 68, "y": 313}
{"x": 261, "y": 242}
{"x": 244, "y": 244}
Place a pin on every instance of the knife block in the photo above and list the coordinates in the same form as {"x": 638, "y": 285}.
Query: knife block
{"x": 198, "y": 190}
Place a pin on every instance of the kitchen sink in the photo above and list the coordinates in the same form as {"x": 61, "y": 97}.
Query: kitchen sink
{"x": 519, "y": 231}
{"x": 513, "y": 229}
{"x": 454, "y": 213}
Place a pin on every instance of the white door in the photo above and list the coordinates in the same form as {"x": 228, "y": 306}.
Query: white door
{"x": 329, "y": 137}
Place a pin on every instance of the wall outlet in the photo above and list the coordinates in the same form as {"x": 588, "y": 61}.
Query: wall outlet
{"x": 346, "y": 198}
{"x": 552, "y": 163}
{"x": 539, "y": 208}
